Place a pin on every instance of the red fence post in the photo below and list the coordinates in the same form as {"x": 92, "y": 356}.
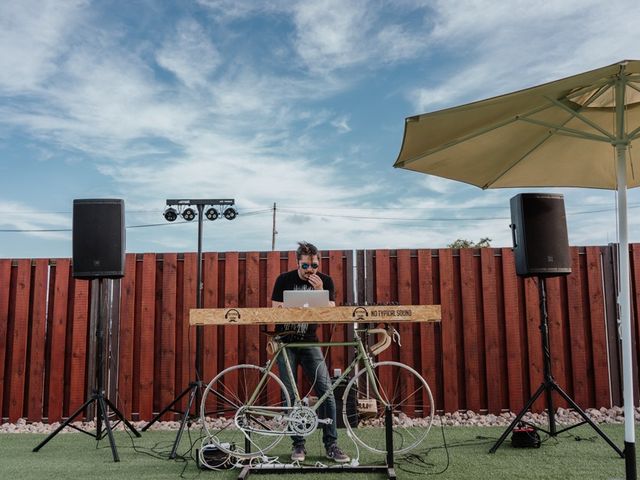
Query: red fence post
{"x": 37, "y": 340}
{"x": 495, "y": 373}
{"x": 579, "y": 354}
{"x": 472, "y": 332}
{"x": 18, "y": 349}
{"x": 513, "y": 332}
{"x": 449, "y": 332}
{"x": 79, "y": 331}
{"x": 598, "y": 328}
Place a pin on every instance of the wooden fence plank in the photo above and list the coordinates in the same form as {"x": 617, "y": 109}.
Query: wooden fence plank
{"x": 37, "y": 340}
{"x": 211, "y": 347}
{"x": 578, "y": 337}
{"x": 210, "y": 300}
{"x": 273, "y": 270}
{"x": 383, "y": 295}
{"x": 534, "y": 344}
{"x": 147, "y": 339}
{"x": 449, "y": 332}
{"x": 495, "y": 356}
{"x": 472, "y": 332}
{"x": 5, "y": 281}
{"x": 167, "y": 360}
{"x": 337, "y": 355}
{"x": 598, "y": 328}
{"x": 79, "y": 326}
{"x": 231, "y": 333}
{"x": 188, "y": 334}
{"x": 18, "y": 339}
{"x": 127, "y": 338}
{"x": 430, "y": 366}
{"x": 406, "y": 330}
{"x": 57, "y": 335}
{"x": 513, "y": 332}
{"x": 557, "y": 335}
{"x": 252, "y": 299}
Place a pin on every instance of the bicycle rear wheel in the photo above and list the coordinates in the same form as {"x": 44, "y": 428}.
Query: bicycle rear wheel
{"x": 230, "y": 422}
{"x": 409, "y": 396}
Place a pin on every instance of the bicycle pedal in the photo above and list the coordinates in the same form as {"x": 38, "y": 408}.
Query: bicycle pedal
{"x": 325, "y": 421}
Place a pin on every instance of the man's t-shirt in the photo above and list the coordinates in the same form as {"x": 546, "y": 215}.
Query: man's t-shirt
{"x": 291, "y": 281}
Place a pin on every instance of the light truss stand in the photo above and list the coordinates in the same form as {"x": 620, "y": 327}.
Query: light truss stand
{"x": 196, "y": 387}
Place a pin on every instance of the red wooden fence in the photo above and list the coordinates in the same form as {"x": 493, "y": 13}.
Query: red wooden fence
{"x": 485, "y": 355}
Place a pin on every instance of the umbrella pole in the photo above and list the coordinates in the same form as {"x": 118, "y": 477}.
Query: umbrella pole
{"x": 625, "y": 316}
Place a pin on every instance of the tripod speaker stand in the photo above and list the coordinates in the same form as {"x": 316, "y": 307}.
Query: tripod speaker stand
{"x": 102, "y": 403}
{"x": 548, "y": 386}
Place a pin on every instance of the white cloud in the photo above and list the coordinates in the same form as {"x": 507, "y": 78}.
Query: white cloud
{"x": 20, "y": 216}
{"x": 498, "y": 48}
{"x": 189, "y": 54}
{"x": 332, "y": 35}
{"x": 341, "y": 124}
{"x": 33, "y": 36}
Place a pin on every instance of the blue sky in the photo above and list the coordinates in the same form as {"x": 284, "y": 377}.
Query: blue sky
{"x": 301, "y": 103}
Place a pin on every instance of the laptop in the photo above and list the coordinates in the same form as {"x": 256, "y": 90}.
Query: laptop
{"x": 306, "y": 298}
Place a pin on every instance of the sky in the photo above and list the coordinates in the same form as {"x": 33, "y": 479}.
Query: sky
{"x": 300, "y": 104}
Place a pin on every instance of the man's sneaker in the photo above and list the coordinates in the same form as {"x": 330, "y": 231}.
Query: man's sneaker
{"x": 298, "y": 453}
{"x": 334, "y": 453}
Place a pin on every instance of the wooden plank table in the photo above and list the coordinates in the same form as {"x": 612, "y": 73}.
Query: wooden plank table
{"x": 364, "y": 314}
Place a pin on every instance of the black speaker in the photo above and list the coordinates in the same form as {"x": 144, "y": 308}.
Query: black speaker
{"x": 98, "y": 238}
{"x": 539, "y": 230}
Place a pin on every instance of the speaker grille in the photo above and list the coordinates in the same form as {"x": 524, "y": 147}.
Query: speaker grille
{"x": 98, "y": 238}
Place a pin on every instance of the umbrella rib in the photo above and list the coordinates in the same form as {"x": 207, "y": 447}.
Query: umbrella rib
{"x": 634, "y": 134}
{"x": 579, "y": 116}
{"x": 568, "y": 131}
{"x": 503, "y": 172}
{"x": 601, "y": 90}
{"x": 597, "y": 86}
{"x": 631, "y": 85}
{"x": 465, "y": 138}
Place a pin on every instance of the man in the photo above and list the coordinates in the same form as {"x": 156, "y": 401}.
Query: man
{"x": 307, "y": 277}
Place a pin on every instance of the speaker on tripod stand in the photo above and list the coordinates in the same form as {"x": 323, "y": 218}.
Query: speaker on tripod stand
{"x": 541, "y": 249}
{"x": 98, "y": 254}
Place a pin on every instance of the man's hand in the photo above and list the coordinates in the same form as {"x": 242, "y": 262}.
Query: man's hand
{"x": 315, "y": 281}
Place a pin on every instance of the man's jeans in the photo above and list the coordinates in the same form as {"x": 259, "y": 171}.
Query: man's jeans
{"x": 314, "y": 368}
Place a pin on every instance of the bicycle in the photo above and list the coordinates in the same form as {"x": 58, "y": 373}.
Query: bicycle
{"x": 249, "y": 405}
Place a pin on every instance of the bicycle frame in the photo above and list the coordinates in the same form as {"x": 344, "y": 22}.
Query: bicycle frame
{"x": 361, "y": 355}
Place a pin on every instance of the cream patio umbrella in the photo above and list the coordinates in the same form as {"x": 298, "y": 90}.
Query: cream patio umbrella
{"x": 573, "y": 132}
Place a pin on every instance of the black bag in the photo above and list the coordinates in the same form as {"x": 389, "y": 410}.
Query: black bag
{"x": 525, "y": 436}
{"x": 215, "y": 459}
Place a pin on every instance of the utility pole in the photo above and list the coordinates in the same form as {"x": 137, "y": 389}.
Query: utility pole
{"x": 274, "y": 231}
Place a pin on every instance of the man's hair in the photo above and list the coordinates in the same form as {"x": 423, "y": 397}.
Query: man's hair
{"x": 305, "y": 248}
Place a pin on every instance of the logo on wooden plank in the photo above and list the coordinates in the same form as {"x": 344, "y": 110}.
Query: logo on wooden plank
{"x": 232, "y": 315}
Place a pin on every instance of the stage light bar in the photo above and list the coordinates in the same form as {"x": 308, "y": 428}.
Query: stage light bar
{"x": 170, "y": 214}
{"x": 188, "y": 214}
{"x": 230, "y": 213}
{"x": 212, "y": 214}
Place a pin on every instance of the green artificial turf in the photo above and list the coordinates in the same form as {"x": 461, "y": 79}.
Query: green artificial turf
{"x": 577, "y": 454}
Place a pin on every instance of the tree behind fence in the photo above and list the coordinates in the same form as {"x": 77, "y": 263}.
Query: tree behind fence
{"x": 485, "y": 354}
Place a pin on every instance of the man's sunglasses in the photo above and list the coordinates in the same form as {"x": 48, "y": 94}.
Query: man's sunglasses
{"x": 305, "y": 266}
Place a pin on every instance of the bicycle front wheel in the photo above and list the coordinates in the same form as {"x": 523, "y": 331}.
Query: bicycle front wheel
{"x": 391, "y": 384}
{"x": 237, "y": 425}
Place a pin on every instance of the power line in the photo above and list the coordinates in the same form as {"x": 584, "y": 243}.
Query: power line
{"x": 146, "y": 225}
{"x": 289, "y": 211}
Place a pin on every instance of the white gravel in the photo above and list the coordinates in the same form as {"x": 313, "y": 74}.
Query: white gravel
{"x": 462, "y": 418}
